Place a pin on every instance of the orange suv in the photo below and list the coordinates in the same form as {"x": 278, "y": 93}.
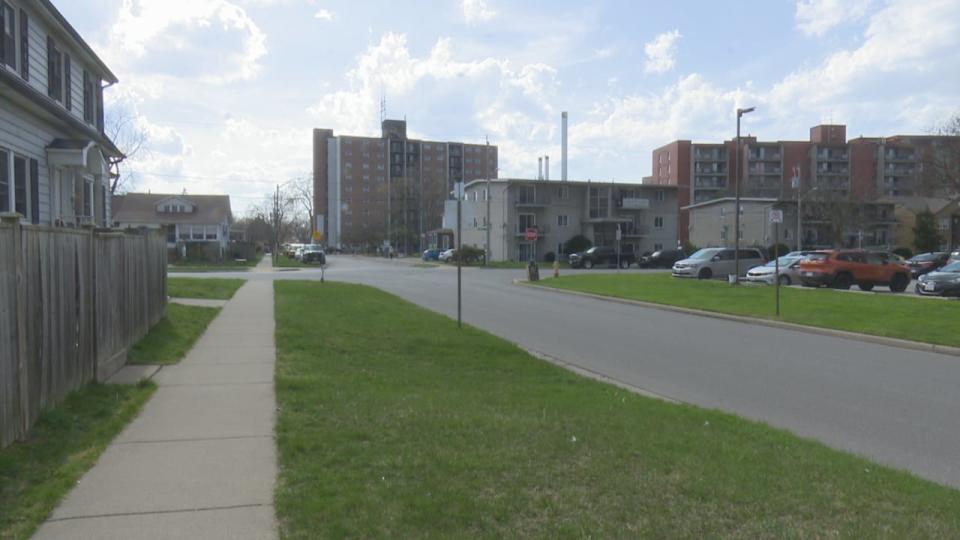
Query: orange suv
{"x": 843, "y": 267}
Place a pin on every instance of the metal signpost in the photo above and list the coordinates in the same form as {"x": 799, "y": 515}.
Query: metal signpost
{"x": 776, "y": 217}
{"x": 459, "y": 256}
{"x": 619, "y": 237}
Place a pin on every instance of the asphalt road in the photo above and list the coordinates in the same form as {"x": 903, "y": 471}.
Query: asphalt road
{"x": 899, "y": 407}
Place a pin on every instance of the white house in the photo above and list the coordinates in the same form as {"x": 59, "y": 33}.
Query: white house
{"x": 54, "y": 156}
{"x": 193, "y": 223}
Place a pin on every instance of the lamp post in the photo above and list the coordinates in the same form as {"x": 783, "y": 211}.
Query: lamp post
{"x": 736, "y": 222}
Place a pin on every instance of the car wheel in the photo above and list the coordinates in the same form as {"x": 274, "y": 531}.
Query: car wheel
{"x": 865, "y": 286}
{"x": 785, "y": 281}
{"x": 624, "y": 264}
{"x": 899, "y": 283}
{"x": 588, "y": 264}
{"x": 705, "y": 273}
{"x": 842, "y": 281}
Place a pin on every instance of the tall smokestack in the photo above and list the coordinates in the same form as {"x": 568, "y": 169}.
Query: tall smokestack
{"x": 539, "y": 168}
{"x": 563, "y": 146}
{"x": 546, "y": 167}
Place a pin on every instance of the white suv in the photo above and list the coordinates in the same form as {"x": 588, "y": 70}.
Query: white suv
{"x": 709, "y": 262}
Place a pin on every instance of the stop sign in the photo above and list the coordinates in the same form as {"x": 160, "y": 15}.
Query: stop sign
{"x": 531, "y": 233}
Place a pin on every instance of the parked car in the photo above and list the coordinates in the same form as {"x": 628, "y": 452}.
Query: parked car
{"x": 445, "y": 256}
{"x": 431, "y": 255}
{"x": 602, "y": 256}
{"x": 927, "y": 262}
{"x": 942, "y": 282}
{"x": 842, "y": 268}
{"x": 661, "y": 259}
{"x": 709, "y": 262}
{"x": 766, "y": 273}
{"x": 314, "y": 255}
{"x": 954, "y": 257}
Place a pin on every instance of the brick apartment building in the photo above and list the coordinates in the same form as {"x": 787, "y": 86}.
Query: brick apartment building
{"x": 370, "y": 189}
{"x": 826, "y": 166}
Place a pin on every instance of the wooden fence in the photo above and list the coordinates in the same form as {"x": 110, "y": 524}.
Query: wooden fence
{"x": 71, "y": 303}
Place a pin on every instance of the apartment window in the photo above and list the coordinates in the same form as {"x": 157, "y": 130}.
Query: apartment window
{"x": 659, "y": 195}
{"x": 4, "y": 181}
{"x": 563, "y": 192}
{"x": 658, "y": 222}
{"x": 8, "y": 43}
{"x": 54, "y": 71}
{"x": 562, "y": 221}
{"x": 526, "y": 221}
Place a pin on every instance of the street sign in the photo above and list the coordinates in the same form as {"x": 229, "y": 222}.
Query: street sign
{"x": 317, "y": 236}
{"x": 531, "y": 233}
{"x": 776, "y": 216}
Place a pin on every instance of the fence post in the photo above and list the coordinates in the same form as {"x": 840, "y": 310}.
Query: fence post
{"x": 23, "y": 401}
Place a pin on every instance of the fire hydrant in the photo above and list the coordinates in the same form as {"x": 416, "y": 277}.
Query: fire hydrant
{"x": 556, "y": 268}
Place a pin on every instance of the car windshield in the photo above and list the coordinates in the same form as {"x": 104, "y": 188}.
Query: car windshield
{"x": 592, "y": 250}
{"x": 784, "y": 261}
{"x": 704, "y": 254}
{"x": 952, "y": 268}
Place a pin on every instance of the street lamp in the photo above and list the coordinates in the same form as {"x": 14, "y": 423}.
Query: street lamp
{"x": 737, "y": 175}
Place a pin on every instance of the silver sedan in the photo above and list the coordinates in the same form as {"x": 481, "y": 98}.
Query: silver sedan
{"x": 766, "y": 273}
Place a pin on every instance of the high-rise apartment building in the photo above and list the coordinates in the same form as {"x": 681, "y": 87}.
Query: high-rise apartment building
{"x": 826, "y": 165}
{"x": 368, "y": 190}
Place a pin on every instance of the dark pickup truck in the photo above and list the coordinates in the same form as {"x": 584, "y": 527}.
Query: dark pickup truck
{"x": 602, "y": 256}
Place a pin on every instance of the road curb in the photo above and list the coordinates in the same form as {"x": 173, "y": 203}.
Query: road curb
{"x": 866, "y": 338}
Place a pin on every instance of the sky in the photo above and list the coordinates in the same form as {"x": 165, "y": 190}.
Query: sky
{"x": 228, "y": 91}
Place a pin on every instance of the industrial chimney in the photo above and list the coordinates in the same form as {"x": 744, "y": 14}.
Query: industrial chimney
{"x": 539, "y": 168}
{"x": 563, "y": 146}
{"x": 546, "y": 167}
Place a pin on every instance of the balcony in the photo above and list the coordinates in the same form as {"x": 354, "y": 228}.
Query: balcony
{"x": 540, "y": 200}
{"x": 630, "y": 203}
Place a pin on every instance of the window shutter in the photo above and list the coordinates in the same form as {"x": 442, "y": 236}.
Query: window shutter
{"x": 24, "y": 46}
{"x": 67, "y": 94}
{"x": 87, "y": 99}
{"x": 99, "y": 91}
{"x": 34, "y": 191}
{"x": 4, "y": 181}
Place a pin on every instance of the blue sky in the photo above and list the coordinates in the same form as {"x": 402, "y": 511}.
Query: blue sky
{"x": 228, "y": 90}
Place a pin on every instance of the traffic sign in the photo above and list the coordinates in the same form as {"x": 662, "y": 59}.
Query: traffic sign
{"x": 776, "y": 216}
{"x": 531, "y": 233}
{"x": 317, "y": 236}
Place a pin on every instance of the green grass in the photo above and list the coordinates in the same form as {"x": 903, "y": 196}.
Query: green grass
{"x": 67, "y": 440}
{"x": 394, "y": 424}
{"x": 173, "y": 336}
{"x": 207, "y": 288}
{"x": 283, "y": 261}
{"x": 901, "y": 316}
{"x": 207, "y": 266}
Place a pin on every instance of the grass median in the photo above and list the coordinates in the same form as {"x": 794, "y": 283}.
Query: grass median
{"x": 206, "y": 288}
{"x": 901, "y": 316}
{"x": 393, "y": 423}
{"x": 215, "y": 266}
{"x": 171, "y": 338}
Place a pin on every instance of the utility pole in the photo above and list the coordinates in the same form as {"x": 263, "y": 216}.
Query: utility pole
{"x": 736, "y": 222}
{"x": 486, "y": 254}
{"x": 459, "y": 255}
{"x": 796, "y": 184}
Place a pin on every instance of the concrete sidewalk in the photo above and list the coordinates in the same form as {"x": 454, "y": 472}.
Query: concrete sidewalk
{"x": 200, "y": 460}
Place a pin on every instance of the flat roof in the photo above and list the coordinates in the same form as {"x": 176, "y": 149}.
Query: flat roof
{"x": 568, "y": 182}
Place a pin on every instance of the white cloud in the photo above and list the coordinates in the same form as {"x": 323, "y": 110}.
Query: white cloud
{"x": 323, "y": 15}
{"x": 816, "y": 17}
{"x": 476, "y": 11}
{"x": 661, "y": 51}
{"x": 214, "y": 41}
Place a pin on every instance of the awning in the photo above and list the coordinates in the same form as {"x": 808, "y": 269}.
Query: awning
{"x": 79, "y": 153}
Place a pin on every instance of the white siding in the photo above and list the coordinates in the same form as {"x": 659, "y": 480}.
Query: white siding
{"x": 25, "y": 136}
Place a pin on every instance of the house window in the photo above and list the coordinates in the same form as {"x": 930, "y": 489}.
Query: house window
{"x": 658, "y": 222}
{"x": 24, "y": 45}
{"x": 211, "y": 232}
{"x": 562, "y": 221}
{"x": 8, "y": 46}
{"x": 88, "y": 197}
{"x": 184, "y": 232}
{"x": 4, "y": 181}
{"x": 197, "y": 232}
{"x": 89, "y": 112}
{"x": 20, "y": 200}
{"x": 54, "y": 71}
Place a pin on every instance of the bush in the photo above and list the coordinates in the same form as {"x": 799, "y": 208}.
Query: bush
{"x": 783, "y": 250}
{"x": 904, "y": 252}
{"x": 577, "y": 244}
{"x": 550, "y": 257}
{"x": 467, "y": 255}
{"x": 689, "y": 249}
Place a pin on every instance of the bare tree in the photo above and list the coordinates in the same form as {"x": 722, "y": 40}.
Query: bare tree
{"x": 121, "y": 127}
{"x": 940, "y": 163}
{"x": 300, "y": 190}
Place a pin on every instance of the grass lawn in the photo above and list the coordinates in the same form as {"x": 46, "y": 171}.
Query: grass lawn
{"x": 286, "y": 262}
{"x": 405, "y": 427}
{"x": 173, "y": 336}
{"x": 224, "y": 266}
{"x": 67, "y": 440}
{"x": 898, "y": 316}
{"x": 213, "y": 288}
